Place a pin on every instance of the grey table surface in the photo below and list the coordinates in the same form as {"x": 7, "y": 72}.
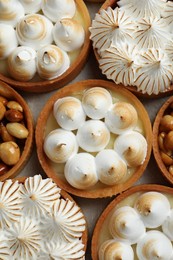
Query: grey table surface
{"x": 92, "y": 208}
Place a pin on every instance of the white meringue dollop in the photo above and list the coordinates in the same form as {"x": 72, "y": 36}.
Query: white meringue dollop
{"x": 93, "y": 136}
{"x": 167, "y": 226}
{"x": 8, "y": 40}
{"x": 132, "y": 148}
{"x": 154, "y": 245}
{"x": 153, "y": 208}
{"x": 80, "y": 171}
{"x": 52, "y": 62}
{"x": 112, "y": 249}
{"x": 22, "y": 63}
{"x": 111, "y": 169}
{"x": 60, "y": 145}
{"x": 34, "y": 30}
{"x": 69, "y": 113}
{"x": 126, "y": 226}
{"x": 68, "y": 34}
{"x": 96, "y": 101}
{"x": 55, "y": 10}
{"x": 121, "y": 117}
{"x": 31, "y": 6}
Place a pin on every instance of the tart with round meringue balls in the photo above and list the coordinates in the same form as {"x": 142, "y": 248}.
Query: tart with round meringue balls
{"x": 44, "y": 223}
{"x": 137, "y": 224}
{"x": 162, "y": 141}
{"x": 93, "y": 138}
{"x": 132, "y": 44}
{"x": 16, "y": 132}
{"x": 44, "y": 44}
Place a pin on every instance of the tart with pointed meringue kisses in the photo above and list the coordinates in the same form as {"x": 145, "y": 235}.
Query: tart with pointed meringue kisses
{"x": 93, "y": 138}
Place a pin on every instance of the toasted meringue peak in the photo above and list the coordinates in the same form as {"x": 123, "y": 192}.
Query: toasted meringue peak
{"x": 167, "y": 13}
{"x": 69, "y": 113}
{"x": 22, "y": 63}
{"x": 8, "y": 40}
{"x": 153, "y": 208}
{"x": 10, "y": 209}
{"x": 65, "y": 224}
{"x": 24, "y": 239}
{"x": 65, "y": 250}
{"x": 93, "y": 136}
{"x": 64, "y": 34}
{"x": 167, "y": 226}
{"x": 31, "y": 6}
{"x": 34, "y": 30}
{"x": 4, "y": 250}
{"x": 154, "y": 71}
{"x": 121, "y": 117}
{"x": 111, "y": 169}
{"x": 60, "y": 145}
{"x": 112, "y": 249}
{"x": 154, "y": 245}
{"x": 110, "y": 27}
{"x": 143, "y": 8}
{"x": 132, "y": 148}
{"x": 96, "y": 102}
{"x": 169, "y": 49}
{"x": 80, "y": 171}
{"x": 117, "y": 63}
{"x": 125, "y": 225}
{"x": 56, "y": 10}
{"x": 10, "y": 12}
{"x": 152, "y": 32}
{"x": 38, "y": 196}
{"x": 52, "y": 62}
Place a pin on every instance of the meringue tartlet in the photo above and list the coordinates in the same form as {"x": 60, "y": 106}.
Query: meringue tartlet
{"x": 130, "y": 40}
{"x": 83, "y": 154}
{"x": 136, "y": 225}
{"x": 56, "y": 30}
{"x": 40, "y": 221}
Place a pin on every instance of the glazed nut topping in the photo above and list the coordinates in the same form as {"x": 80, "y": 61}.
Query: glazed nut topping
{"x": 12, "y": 129}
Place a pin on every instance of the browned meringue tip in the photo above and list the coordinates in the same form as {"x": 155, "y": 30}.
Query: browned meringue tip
{"x": 10, "y": 94}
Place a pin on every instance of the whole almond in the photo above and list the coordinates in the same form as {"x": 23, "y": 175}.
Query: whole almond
{"x": 3, "y": 168}
{"x": 3, "y": 100}
{"x": 2, "y": 111}
{"x": 6, "y": 137}
{"x": 9, "y": 153}
{"x": 14, "y": 105}
{"x": 13, "y": 115}
{"x": 17, "y": 130}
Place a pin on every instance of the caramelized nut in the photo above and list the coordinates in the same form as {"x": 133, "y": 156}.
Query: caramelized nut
{"x": 171, "y": 169}
{"x": 17, "y": 130}
{"x": 3, "y": 168}
{"x": 166, "y": 123}
{"x": 13, "y": 115}
{"x": 161, "y": 140}
{"x": 167, "y": 160}
{"x": 2, "y": 110}
{"x": 9, "y": 153}
{"x": 14, "y": 105}
{"x": 6, "y": 137}
{"x": 168, "y": 141}
{"x": 3, "y": 100}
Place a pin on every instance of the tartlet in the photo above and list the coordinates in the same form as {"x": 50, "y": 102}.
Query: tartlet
{"x": 116, "y": 233}
{"x": 46, "y": 123}
{"x": 26, "y": 147}
{"x": 78, "y": 59}
{"x": 162, "y": 153}
{"x": 109, "y": 54}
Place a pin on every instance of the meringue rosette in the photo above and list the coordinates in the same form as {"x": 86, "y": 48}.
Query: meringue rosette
{"x": 31, "y": 6}
{"x": 64, "y": 34}
{"x": 60, "y": 145}
{"x": 56, "y": 10}
{"x": 96, "y": 102}
{"x": 4, "y": 250}
{"x": 121, "y": 117}
{"x": 167, "y": 226}
{"x": 112, "y": 249}
{"x": 69, "y": 113}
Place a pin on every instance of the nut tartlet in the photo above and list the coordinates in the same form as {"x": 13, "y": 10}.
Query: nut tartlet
{"x": 162, "y": 141}
{"x": 16, "y": 132}
{"x": 136, "y": 225}
{"x": 128, "y": 55}
{"x": 75, "y": 135}
{"x": 43, "y": 223}
{"x": 21, "y": 67}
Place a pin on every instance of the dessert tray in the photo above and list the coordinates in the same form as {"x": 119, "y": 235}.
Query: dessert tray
{"x": 93, "y": 138}
{"x": 136, "y": 225}
{"x": 132, "y": 43}
{"x": 44, "y": 44}
{"x": 40, "y": 221}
